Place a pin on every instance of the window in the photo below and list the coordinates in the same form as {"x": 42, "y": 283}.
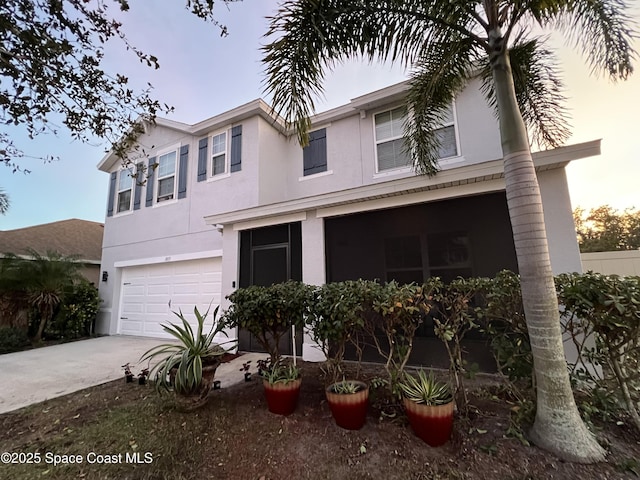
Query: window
{"x": 390, "y": 145}
{"x": 166, "y": 177}
{"x": 125, "y": 189}
{"x": 219, "y": 154}
{"x": 446, "y": 135}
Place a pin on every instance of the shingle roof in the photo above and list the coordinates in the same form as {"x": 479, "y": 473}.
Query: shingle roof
{"x": 67, "y": 237}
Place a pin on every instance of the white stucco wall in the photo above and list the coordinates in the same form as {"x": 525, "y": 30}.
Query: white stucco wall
{"x": 612, "y": 263}
{"x": 561, "y": 232}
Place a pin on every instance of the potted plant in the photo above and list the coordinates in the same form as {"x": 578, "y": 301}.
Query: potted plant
{"x": 188, "y": 367}
{"x": 337, "y": 319}
{"x": 128, "y": 374}
{"x": 429, "y": 405}
{"x": 281, "y": 383}
{"x": 348, "y": 401}
{"x": 142, "y": 377}
{"x": 245, "y": 368}
{"x": 269, "y": 313}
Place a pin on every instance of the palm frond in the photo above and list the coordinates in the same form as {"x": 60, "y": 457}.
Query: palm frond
{"x": 601, "y": 29}
{"x": 4, "y": 202}
{"x": 439, "y": 74}
{"x": 312, "y": 35}
{"x": 539, "y": 94}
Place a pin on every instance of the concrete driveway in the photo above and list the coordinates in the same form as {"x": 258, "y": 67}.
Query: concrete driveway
{"x": 36, "y": 375}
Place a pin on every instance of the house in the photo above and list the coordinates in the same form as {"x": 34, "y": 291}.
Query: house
{"x": 234, "y": 200}
{"x": 74, "y": 237}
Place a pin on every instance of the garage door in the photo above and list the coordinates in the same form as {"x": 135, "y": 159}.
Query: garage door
{"x": 151, "y": 293}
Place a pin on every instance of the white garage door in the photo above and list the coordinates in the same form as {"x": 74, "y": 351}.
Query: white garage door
{"x": 151, "y": 293}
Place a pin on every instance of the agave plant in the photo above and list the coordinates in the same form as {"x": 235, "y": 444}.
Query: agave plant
{"x": 347, "y": 387}
{"x": 184, "y": 362}
{"x": 278, "y": 372}
{"x": 425, "y": 389}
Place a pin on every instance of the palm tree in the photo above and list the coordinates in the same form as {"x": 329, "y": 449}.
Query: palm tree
{"x": 446, "y": 43}
{"x": 4, "y": 202}
{"x": 41, "y": 280}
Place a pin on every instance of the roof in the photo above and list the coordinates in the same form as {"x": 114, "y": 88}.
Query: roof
{"x": 79, "y": 238}
{"x": 259, "y": 107}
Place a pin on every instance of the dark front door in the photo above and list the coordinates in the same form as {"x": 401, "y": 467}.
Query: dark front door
{"x": 270, "y": 255}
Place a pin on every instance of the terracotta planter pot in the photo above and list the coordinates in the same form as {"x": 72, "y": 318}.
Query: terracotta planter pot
{"x": 349, "y": 410}
{"x": 282, "y": 398}
{"x": 432, "y": 423}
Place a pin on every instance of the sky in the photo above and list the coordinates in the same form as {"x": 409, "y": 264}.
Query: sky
{"x": 203, "y": 74}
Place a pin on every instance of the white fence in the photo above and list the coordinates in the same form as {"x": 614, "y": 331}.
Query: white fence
{"x": 619, "y": 263}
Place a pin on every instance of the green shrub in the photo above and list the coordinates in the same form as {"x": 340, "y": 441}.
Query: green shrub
{"x": 269, "y": 312}
{"x": 606, "y": 310}
{"x": 337, "y": 316}
{"x": 12, "y": 339}
{"x": 76, "y": 314}
{"x": 503, "y": 321}
{"x": 400, "y": 309}
{"x": 455, "y": 316}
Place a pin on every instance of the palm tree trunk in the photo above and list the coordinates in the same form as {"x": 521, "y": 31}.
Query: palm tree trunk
{"x": 558, "y": 426}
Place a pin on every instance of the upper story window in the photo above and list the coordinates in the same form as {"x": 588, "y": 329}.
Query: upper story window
{"x": 390, "y": 145}
{"x": 219, "y": 154}
{"x": 125, "y": 190}
{"x": 447, "y": 136}
{"x": 166, "y": 174}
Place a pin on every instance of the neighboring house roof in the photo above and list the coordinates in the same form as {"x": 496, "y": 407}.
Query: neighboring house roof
{"x": 79, "y": 238}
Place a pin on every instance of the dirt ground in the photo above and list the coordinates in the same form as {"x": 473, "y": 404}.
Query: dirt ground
{"x": 235, "y": 437}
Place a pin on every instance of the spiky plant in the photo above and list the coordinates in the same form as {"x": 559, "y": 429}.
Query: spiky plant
{"x": 189, "y": 356}
{"x": 425, "y": 389}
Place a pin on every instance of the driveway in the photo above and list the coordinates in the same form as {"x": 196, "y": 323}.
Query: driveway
{"x": 36, "y": 375}
{"x": 42, "y": 373}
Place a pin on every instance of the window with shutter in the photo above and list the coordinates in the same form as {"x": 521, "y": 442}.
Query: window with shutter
{"x": 219, "y": 154}
{"x": 166, "y": 173}
{"x": 125, "y": 189}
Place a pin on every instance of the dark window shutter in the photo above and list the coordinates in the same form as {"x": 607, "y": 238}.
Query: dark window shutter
{"x": 236, "y": 148}
{"x": 182, "y": 171}
{"x": 112, "y": 193}
{"x": 151, "y": 171}
{"x": 137, "y": 189}
{"x": 202, "y": 159}
{"x": 314, "y": 155}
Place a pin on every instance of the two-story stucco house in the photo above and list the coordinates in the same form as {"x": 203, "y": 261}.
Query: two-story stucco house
{"x": 236, "y": 201}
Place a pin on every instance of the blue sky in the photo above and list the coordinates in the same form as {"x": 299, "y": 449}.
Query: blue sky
{"x": 202, "y": 74}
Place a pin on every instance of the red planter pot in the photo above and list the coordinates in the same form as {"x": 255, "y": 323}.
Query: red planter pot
{"x": 432, "y": 423}
{"x": 282, "y": 398}
{"x": 349, "y": 410}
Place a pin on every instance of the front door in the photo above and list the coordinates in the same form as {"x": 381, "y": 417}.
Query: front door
{"x": 270, "y": 255}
